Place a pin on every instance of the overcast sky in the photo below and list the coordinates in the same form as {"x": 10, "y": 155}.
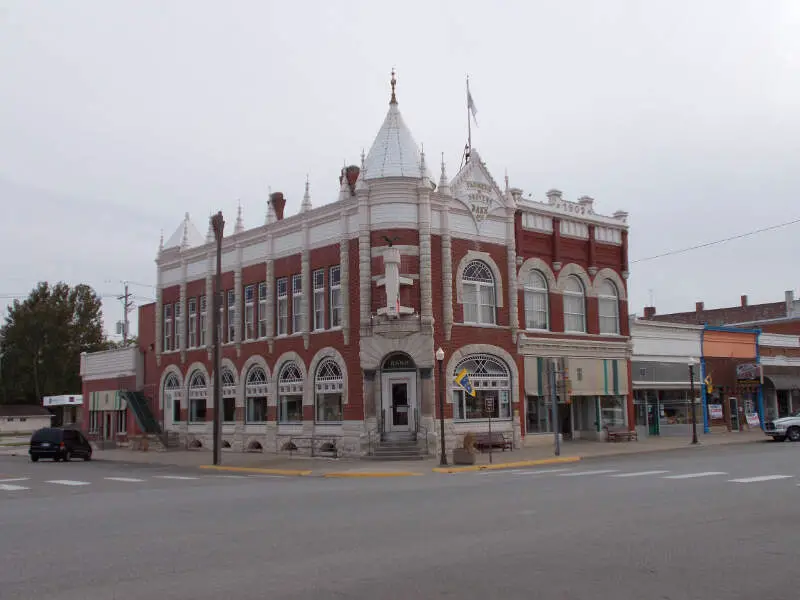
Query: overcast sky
{"x": 117, "y": 117}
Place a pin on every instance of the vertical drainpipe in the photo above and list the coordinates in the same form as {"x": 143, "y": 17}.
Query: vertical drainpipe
{"x": 761, "y": 380}
{"x": 703, "y": 379}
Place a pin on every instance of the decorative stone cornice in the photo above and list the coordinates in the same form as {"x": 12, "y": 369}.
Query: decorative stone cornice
{"x": 574, "y": 348}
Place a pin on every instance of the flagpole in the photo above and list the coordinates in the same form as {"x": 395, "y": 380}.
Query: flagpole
{"x": 469, "y": 124}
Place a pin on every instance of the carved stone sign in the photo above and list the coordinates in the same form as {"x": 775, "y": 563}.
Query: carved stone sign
{"x": 479, "y": 198}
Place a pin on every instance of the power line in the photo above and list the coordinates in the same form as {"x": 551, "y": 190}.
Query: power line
{"x": 715, "y": 242}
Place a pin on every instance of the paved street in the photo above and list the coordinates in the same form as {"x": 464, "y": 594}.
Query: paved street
{"x": 713, "y": 523}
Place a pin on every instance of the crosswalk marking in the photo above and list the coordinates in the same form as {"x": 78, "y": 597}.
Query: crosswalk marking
{"x": 761, "y": 478}
{"x": 640, "y": 474}
{"x": 180, "y": 477}
{"x": 694, "y": 475}
{"x": 10, "y": 487}
{"x": 68, "y": 482}
{"x": 125, "y": 479}
{"x": 599, "y": 472}
{"x": 539, "y": 471}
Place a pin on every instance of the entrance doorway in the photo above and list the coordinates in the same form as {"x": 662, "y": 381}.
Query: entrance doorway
{"x": 108, "y": 429}
{"x": 398, "y": 393}
{"x": 734, "y": 407}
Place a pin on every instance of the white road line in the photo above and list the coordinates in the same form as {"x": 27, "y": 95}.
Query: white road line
{"x": 694, "y": 475}
{"x": 10, "y": 487}
{"x": 124, "y": 479}
{"x": 68, "y": 482}
{"x": 538, "y": 472}
{"x": 578, "y": 473}
{"x": 14, "y": 479}
{"x": 640, "y": 474}
{"x": 180, "y": 477}
{"x": 761, "y": 478}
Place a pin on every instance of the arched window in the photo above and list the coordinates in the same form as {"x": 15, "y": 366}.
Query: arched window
{"x": 536, "y": 301}
{"x": 479, "y": 296}
{"x": 491, "y": 382}
{"x": 608, "y": 307}
{"x": 172, "y": 396}
{"x": 198, "y": 397}
{"x": 328, "y": 389}
{"x": 256, "y": 394}
{"x": 574, "y": 305}
{"x": 228, "y": 383}
{"x": 290, "y": 393}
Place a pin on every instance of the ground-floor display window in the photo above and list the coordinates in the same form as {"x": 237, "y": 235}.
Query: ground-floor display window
{"x": 612, "y": 411}
{"x": 229, "y": 410}
{"x": 538, "y": 415}
{"x": 197, "y": 410}
{"x": 290, "y": 409}
{"x": 256, "y": 410}
{"x": 491, "y": 383}
{"x": 290, "y": 393}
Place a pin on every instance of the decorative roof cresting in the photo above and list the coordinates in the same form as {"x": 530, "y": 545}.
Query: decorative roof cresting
{"x": 394, "y": 153}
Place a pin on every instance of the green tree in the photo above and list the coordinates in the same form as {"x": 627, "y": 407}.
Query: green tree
{"x": 42, "y": 340}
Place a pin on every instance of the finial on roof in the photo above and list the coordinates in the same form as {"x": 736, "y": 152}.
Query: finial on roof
{"x": 394, "y": 83}
{"x": 444, "y": 185}
{"x": 363, "y": 160}
{"x": 185, "y": 237}
{"x": 210, "y": 232}
{"x": 306, "y": 205}
{"x": 422, "y": 165}
{"x": 161, "y": 243}
{"x": 506, "y": 190}
{"x": 239, "y": 227}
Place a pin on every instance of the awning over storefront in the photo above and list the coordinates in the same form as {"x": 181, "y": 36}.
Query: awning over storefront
{"x": 535, "y": 376}
{"x": 784, "y": 382}
{"x": 598, "y": 376}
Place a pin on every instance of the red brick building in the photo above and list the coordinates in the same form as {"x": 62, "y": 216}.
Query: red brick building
{"x": 331, "y": 317}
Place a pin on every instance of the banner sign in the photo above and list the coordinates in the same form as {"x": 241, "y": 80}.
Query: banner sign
{"x": 715, "y": 411}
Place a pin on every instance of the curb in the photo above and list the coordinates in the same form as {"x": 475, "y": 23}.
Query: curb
{"x": 290, "y": 472}
{"x": 509, "y": 465}
{"x": 367, "y": 474}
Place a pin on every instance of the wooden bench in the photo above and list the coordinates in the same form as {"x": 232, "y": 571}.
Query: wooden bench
{"x": 484, "y": 441}
{"x": 620, "y": 434}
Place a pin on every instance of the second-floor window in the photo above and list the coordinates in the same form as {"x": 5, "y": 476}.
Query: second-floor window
{"x": 319, "y": 299}
{"x": 178, "y": 326}
{"x": 297, "y": 303}
{"x": 231, "y": 316}
{"x": 282, "y": 286}
{"x": 536, "y": 305}
{"x": 203, "y": 320}
{"x": 574, "y": 305}
{"x": 479, "y": 294}
{"x": 262, "y": 309}
{"x": 167, "y": 327}
{"x": 192, "y": 322}
{"x": 335, "y": 283}
{"x": 250, "y": 312}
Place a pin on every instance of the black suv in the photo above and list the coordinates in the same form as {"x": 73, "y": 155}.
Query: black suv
{"x": 59, "y": 444}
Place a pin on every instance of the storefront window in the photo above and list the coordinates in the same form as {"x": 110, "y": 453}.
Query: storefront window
{"x": 538, "y": 415}
{"x": 491, "y": 382}
{"x": 612, "y": 410}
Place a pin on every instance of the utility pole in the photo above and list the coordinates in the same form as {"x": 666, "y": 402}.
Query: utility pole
{"x": 127, "y": 307}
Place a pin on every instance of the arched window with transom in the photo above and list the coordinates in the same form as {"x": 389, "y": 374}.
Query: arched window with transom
{"x": 172, "y": 395}
{"x": 290, "y": 393}
{"x": 490, "y": 380}
{"x": 256, "y": 395}
{"x": 574, "y": 305}
{"x": 608, "y": 307}
{"x": 328, "y": 390}
{"x": 479, "y": 294}
{"x": 198, "y": 397}
{"x": 228, "y": 383}
{"x": 537, "y": 306}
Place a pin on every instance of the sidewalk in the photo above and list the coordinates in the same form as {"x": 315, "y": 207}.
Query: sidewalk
{"x": 353, "y": 467}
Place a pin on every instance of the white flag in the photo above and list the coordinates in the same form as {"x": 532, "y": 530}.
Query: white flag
{"x": 471, "y": 105}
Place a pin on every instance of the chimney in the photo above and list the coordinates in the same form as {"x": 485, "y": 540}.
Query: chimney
{"x": 278, "y": 203}
{"x": 789, "y": 302}
{"x": 649, "y": 312}
{"x": 744, "y": 299}
{"x": 699, "y": 306}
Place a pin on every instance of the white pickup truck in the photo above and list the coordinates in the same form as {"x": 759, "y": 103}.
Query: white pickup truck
{"x": 783, "y": 428}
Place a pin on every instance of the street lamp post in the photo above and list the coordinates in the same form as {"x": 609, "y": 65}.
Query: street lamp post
{"x": 440, "y": 360}
{"x": 218, "y": 226}
{"x": 692, "y": 363}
